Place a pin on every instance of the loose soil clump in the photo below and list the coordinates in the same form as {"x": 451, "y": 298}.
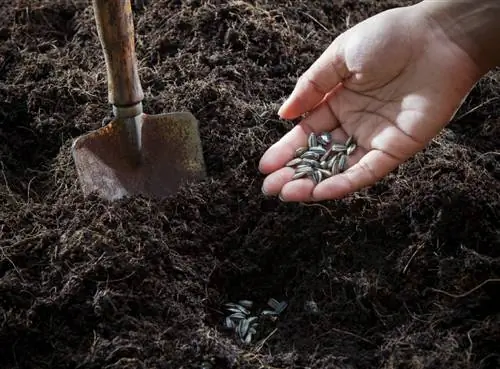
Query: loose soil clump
{"x": 404, "y": 274}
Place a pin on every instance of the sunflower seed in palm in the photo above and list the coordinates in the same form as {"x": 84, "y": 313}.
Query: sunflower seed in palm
{"x": 342, "y": 163}
{"x": 317, "y": 176}
{"x": 349, "y": 141}
{"x": 310, "y": 162}
{"x": 324, "y": 138}
{"x": 294, "y": 162}
{"x": 300, "y": 151}
{"x": 318, "y": 149}
{"x": 325, "y": 173}
{"x": 304, "y": 169}
{"x": 312, "y": 141}
{"x": 351, "y": 148}
{"x": 311, "y": 155}
{"x": 299, "y": 175}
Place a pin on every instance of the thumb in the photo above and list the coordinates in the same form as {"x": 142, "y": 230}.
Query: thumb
{"x": 321, "y": 77}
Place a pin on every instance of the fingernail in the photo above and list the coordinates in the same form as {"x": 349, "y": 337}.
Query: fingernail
{"x": 264, "y": 191}
{"x": 281, "y": 197}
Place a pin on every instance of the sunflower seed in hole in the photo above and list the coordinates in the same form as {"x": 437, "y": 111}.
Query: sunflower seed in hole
{"x": 246, "y": 303}
{"x": 230, "y": 323}
{"x": 238, "y": 309}
{"x": 238, "y": 315}
{"x": 273, "y": 303}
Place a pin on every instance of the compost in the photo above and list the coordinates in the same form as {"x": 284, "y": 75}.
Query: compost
{"x": 404, "y": 274}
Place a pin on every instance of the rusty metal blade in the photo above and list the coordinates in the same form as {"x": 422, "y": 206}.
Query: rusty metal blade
{"x": 167, "y": 153}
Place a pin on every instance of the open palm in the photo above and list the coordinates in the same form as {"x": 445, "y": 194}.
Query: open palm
{"x": 392, "y": 82}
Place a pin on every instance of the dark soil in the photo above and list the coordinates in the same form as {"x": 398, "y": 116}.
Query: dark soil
{"x": 405, "y": 274}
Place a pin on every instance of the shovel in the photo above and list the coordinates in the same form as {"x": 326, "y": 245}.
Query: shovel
{"x": 135, "y": 153}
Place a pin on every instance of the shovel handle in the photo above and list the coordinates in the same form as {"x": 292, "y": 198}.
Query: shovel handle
{"x": 115, "y": 28}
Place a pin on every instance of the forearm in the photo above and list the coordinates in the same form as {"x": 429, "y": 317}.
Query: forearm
{"x": 474, "y": 25}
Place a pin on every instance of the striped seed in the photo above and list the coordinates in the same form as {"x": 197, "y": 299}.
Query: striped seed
{"x": 318, "y": 149}
{"x": 299, "y": 175}
{"x": 311, "y": 163}
{"x": 300, "y": 151}
{"x": 317, "y": 177}
{"x": 246, "y": 303}
{"x": 342, "y": 163}
{"x": 310, "y": 155}
{"x": 304, "y": 169}
{"x": 294, "y": 162}
{"x": 349, "y": 140}
{"x": 243, "y": 327}
{"x": 238, "y": 309}
{"x": 312, "y": 141}
{"x": 229, "y": 323}
{"x": 324, "y": 138}
{"x": 351, "y": 148}
{"x": 325, "y": 173}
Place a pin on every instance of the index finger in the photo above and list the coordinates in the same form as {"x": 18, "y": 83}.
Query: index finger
{"x": 326, "y": 73}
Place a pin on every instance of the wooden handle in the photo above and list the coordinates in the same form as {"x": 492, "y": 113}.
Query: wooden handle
{"x": 115, "y": 27}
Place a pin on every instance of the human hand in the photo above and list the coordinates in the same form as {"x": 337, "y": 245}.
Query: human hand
{"x": 392, "y": 81}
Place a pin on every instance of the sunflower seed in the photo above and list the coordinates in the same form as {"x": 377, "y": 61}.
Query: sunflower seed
{"x": 269, "y": 312}
{"x": 239, "y": 309}
{"x": 325, "y": 173}
{"x": 242, "y": 327}
{"x": 293, "y": 162}
{"x": 349, "y": 140}
{"x": 310, "y": 155}
{"x": 342, "y": 163}
{"x": 322, "y": 158}
{"x": 273, "y": 303}
{"x": 317, "y": 176}
{"x": 246, "y": 303}
{"x": 300, "y": 151}
{"x": 304, "y": 169}
{"x": 350, "y": 149}
{"x": 237, "y": 315}
{"x": 317, "y": 149}
{"x": 229, "y": 323}
{"x": 282, "y": 306}
{"x": 299, "y": 175}
{"x": 312, "y": 141}
{"x": 248, "y": 338}
{"x": 310, "y": 162}
{"x": 324, "y": 138}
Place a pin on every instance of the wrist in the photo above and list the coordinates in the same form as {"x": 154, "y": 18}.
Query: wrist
{"x": 473, "y": 25}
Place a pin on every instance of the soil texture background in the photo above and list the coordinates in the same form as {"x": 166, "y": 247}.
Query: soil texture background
{"x": 404, "y": 274}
